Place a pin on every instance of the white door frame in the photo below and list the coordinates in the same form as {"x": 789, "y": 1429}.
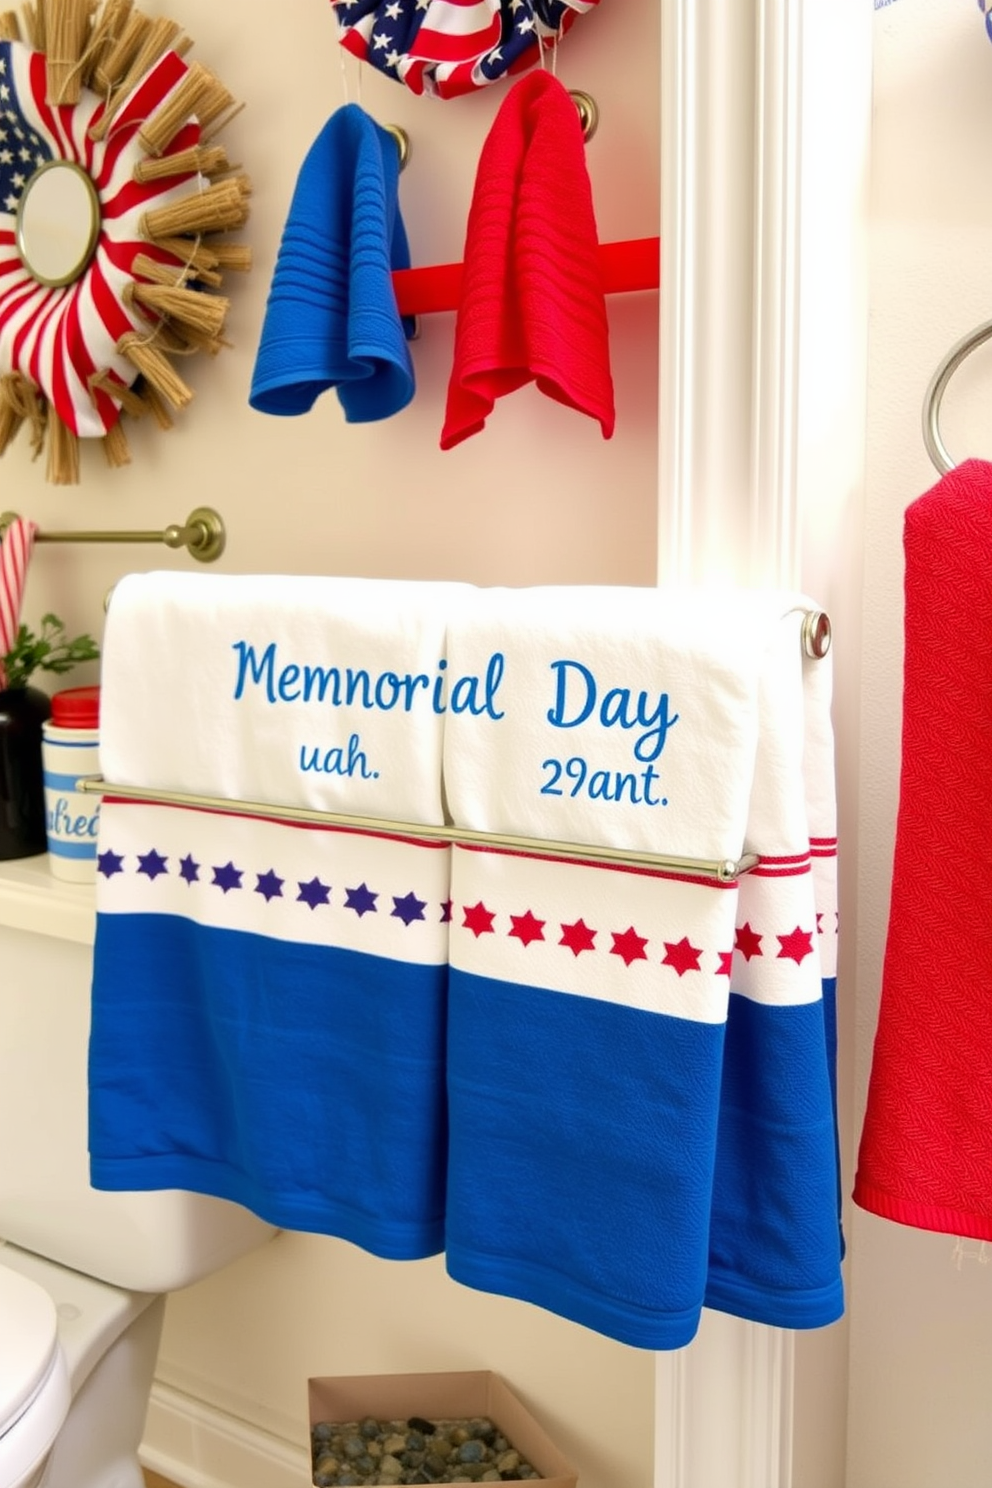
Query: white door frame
{"x": 766, "y": 113}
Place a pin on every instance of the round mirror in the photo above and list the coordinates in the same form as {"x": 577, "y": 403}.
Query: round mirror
{"x": 58, "y": 222}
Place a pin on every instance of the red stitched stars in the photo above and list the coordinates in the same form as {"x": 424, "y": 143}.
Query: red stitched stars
{"x": 479, "y": 919}
{"x": 797, "y": 945}
{"x": 526, "y": 928}
{"x": 629, "y": 946}
{"x": 683, "y": 956}
{"x": 680, "y": 955}
{"x": 578, "y": 937}
{"x": 747, "y": 942}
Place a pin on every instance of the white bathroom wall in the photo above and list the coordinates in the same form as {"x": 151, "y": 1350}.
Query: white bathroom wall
{"x": 921, "y": 1318}
{"x": 538, "y": 497}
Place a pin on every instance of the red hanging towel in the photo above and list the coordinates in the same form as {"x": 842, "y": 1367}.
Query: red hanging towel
{"x": 532, "y": 307}
{"x": 926, "y": 1146}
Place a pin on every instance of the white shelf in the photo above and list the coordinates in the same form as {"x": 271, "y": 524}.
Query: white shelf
{"x": 32, "y": 899}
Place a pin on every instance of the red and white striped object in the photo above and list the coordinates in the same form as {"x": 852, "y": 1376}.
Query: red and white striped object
{"x": 447, "y": 48}
{"x": 61, "y": 337}
{"x": 15, "y": 554}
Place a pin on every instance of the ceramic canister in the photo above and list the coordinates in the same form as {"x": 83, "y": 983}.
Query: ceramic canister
{"x": 70, "y": 749}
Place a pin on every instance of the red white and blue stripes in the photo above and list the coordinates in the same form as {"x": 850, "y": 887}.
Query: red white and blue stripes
{"x": 451, "y": 47}
{"x": 62, "y": 338}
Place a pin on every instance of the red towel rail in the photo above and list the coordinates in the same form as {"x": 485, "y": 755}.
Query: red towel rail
{"x": 631, "y": 265}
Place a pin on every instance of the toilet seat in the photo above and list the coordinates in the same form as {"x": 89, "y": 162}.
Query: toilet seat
{"x": 34, "y": 1379}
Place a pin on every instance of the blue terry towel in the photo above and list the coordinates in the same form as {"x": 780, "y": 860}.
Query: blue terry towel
{"x": 331, "y": 319}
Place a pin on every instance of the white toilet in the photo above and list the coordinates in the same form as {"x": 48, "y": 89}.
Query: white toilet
{"x": 83, "y": 1275}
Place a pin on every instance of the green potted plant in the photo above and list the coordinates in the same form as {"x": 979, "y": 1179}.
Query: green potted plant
{"x": 23, "y": 710}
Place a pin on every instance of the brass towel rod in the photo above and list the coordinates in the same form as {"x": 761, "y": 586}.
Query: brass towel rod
{"x": 203, "y": 534}
{"x": 722, "y": 870}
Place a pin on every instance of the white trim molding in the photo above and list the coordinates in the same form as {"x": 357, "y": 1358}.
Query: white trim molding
{"x": 197, "y": 1445}
{"x": 764, "y": 318}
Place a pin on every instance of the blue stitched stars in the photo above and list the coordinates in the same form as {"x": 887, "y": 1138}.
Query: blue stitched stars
{"x": 227, "y": 877}
{"x": 152, "y": 863}
{"x": 361, "y": 900}
{"x": 269, "y": 885}
{"x": 314, "y": 893}
{"x": 409, "y": 908}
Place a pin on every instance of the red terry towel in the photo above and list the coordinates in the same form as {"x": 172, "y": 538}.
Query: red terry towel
{"x": 532, "y": 306}
{"x": 926, "y": 1146}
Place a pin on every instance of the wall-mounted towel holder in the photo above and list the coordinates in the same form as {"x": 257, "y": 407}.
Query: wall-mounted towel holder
{"x": 936, "y": 388}
{"x": 721, "y": 870}
{"x": 203, "y": 534}
{"x": 634, "y": 264}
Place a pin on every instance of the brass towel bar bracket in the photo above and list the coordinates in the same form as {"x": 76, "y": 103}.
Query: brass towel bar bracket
{"x": 203, "y": 534}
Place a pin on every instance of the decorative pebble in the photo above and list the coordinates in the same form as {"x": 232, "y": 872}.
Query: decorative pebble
{"x": 352, "y": 1454}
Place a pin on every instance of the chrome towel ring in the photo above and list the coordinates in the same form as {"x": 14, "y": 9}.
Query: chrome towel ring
{"x": 935, "y": 392}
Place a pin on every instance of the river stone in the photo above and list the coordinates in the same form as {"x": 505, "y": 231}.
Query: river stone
{"x": 417, "y": 1451}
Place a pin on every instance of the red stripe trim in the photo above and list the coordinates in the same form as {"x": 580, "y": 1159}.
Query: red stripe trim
{"x": 279, "y": 821}
{"x": 640, "y": 870}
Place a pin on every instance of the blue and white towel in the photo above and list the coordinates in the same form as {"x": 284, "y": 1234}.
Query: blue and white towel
{"x": 269, "y": 997}
{"x": 640, "y": 1099}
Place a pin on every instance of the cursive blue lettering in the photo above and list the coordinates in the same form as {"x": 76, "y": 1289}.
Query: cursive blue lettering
{"x": 465, "y": 693}
{"x": 576, "y": 697}
{"x": 558, "y": 715}
{"x": 62, "y": 824}
{"x": 288, "y": 678}
{"x": 337, "y": 761}
{"x": 258, "y": 669}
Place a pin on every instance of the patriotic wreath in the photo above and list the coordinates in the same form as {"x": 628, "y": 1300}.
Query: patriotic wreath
{"x": 452, "y": 47}
{"x": 99, "y": 86}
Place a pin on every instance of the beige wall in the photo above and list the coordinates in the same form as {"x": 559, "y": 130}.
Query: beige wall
{"x": 538, "y": 497}
{"x": 921, "y": 1325}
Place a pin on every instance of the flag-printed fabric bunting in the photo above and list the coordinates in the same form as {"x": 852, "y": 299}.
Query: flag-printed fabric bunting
{"x": 60, "y": 337}
{"x": 451, "y": 47}
{"x": 16, "y": 547}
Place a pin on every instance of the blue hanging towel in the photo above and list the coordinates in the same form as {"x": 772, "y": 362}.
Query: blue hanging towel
{"x": 331, "y": 320}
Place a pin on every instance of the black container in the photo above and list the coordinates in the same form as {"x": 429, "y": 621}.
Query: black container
{"x": 23, "y": 710}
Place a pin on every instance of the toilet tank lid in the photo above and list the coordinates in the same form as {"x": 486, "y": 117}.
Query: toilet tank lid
{"x": 28, "y": 1342}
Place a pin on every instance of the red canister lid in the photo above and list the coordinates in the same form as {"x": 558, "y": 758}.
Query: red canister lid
{"x": 76, "y": 708}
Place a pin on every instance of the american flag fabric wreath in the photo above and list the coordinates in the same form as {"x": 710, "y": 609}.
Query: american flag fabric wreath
{"x": 108, "y": 94}
{"x": 451, "y": 47}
